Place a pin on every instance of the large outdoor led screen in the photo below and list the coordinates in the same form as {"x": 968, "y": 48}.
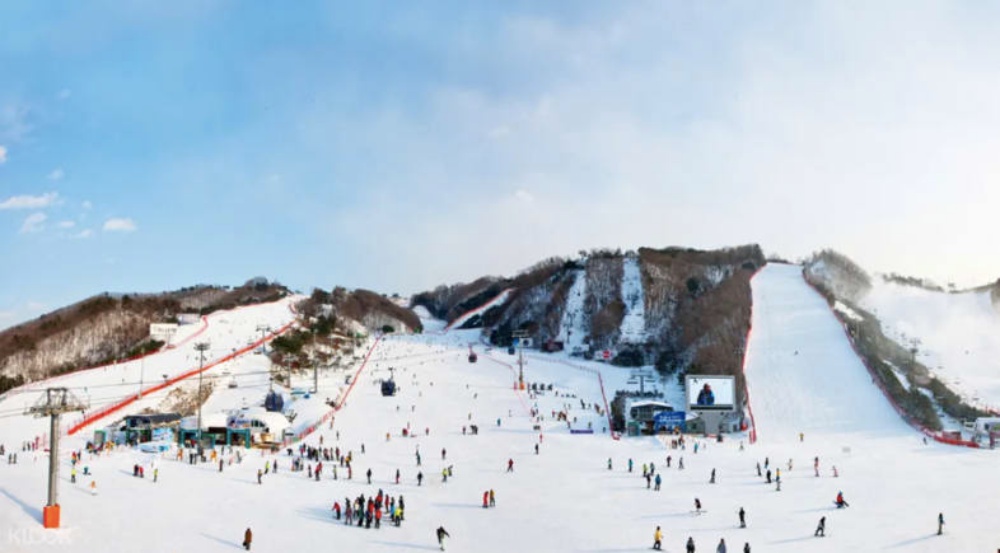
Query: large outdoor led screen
{"x": 711, "y": 393}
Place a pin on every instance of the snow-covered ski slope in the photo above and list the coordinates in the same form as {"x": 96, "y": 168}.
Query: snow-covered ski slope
{"x": 573, "y": 328}
{"x": 224, "y": 331}
{"x": 564, "y": 499}
{"x": 801, "y": 371}
{"x": 633, "y": 327}
{"x": 957, "y": 335}
{"x": 499, "y": 300}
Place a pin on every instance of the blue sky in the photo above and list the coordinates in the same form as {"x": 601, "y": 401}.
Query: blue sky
{"x": 397, "y": 146}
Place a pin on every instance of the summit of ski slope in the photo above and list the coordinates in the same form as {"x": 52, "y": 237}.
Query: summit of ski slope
{"x": 802, "y": 374}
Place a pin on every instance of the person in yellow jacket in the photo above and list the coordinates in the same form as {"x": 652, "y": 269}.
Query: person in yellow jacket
{"x": 657, "y": 539}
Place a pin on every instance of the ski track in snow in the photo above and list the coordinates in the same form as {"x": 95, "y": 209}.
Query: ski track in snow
{"x": 633, "y": 326}
{"x": 958, "y": 335}
{"x": 564, "y": 498}
{"x": 572, "y": 330}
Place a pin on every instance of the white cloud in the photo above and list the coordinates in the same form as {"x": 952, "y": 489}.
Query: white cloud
{"x": 84, "y": 234}
{"x": 29, "y": 202}
{"x": 34, "y": 223}
{"x": 57, "y": 174}
{"x": 66, "y": 224}
{"x": 3, "y": 155}
{"x": 524, "y": 195}
{"x": 119, "y": 225}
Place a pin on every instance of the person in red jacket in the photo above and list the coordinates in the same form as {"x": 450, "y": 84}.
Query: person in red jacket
{"x": 486, "y": 499}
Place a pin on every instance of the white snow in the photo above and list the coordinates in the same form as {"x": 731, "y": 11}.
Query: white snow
{"x": 499, "y": 300}
{"x": 957, "y": 335}
{"x": 564, "y": 498}
{"x": 633, "y": 327}
{"x": 573, "y": 328}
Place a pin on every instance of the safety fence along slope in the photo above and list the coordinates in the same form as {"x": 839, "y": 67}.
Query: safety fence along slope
{"x": 92, "y": 417}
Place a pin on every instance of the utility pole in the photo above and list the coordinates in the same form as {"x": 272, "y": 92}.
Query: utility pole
{"x": 520, "y": 335}
{"x": 54, "y": 403}
{"x": 201, "y": 348}
{"x": 263, "y": 329}
{"x": 142, "y": 372}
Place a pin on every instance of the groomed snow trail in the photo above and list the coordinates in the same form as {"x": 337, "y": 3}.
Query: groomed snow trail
{"x": 802, "y": 374}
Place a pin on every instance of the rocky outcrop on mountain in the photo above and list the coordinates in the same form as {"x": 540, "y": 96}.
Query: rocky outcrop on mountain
{"x": 370, "y": 310}
{"x": 688, "y": 310}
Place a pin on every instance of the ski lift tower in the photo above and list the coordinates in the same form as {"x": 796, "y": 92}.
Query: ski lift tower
{"x": 54, "y": 403}
{"x": 520, "y": 335}
{"x": 201, "y": 348}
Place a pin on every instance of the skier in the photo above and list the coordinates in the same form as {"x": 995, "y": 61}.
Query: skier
{"x": 336, "y": 510}
{"x": 493, "y": 498}
{"x": 746, "y": 547}
{"x": 690, "y": 545}
{"x": 247, "y": 539}
{"x": 721, "y": 548}
{"x": 656, "y": 486}
{"x": 93, "y": 488}
{"x": 768, "y": 476}
{"x": 940, "y": 523}
{"x": 657, "y": 539}
{"x": 369, "y": 474}
{"x": 260, "y": 474}
{"x": 712, "y": 479}
{"x": 821, "y": 528}
{"x": 486, "y": 499}
{"x": 649, "y": 480}
{"x": 630, "y": 465}
{"x": 697, "y": 506}
{"x": 510, "y": 465}
{"x": 441, "y": 535}
{"x": 444, "y": 453}
{"x": 758, "y": 469}
{"x": 72, "y": 476}
{"x": 743, "y": 519}
{"x": 609, "y": 463}
{"x": 397, "y": 475}
{"x": 536, "y": 450}
{"x": 420, "y": 478}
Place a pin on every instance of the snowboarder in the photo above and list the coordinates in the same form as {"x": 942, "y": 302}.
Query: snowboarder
{"x": 441, "y": 535}
{"x": 840, "y": 501}
{"x": 657, "y": 539}
{"x": 721, "y": 548}
{"x": 743, "y": 518}
{"x": 821, "y": 528}
{"x": 247, "y": 539}
{"x": 690, "y": 545}
{"x": 940, "y": 523}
